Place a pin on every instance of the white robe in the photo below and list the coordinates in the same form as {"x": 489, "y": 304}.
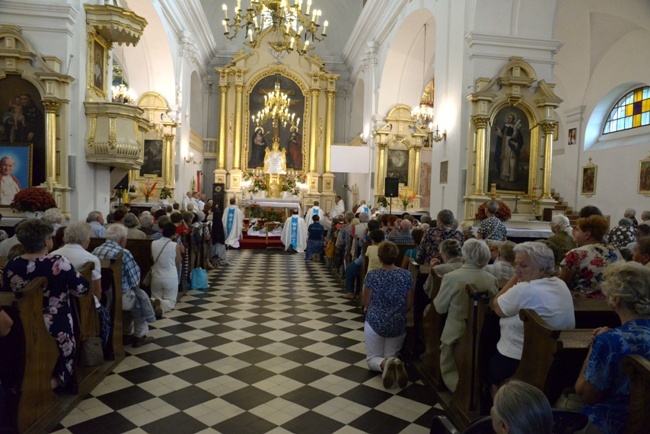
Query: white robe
{"x": 338, "y": 209}
{"x": 233, "y": 231}
{"x": 364, "y": 208}
{"x": 315, "y": 210}
{"x": 294, "y": 233}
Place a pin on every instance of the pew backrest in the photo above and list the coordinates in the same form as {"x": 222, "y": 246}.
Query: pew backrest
{"x": 112, "y": 296}
{"x": 638, "y": 369}
{"x": 139, "y": 248}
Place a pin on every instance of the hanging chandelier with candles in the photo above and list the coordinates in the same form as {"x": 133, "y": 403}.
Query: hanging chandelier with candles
{"x": 422, "y": 114}
{"x": 295, "y": 28}
{"x": 276, "y": 109}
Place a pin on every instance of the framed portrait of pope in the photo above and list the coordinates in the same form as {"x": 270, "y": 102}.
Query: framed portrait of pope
{"x": 15, "y": 171}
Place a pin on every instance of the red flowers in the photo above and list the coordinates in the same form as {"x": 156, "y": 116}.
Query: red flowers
{"x": 503, "y": 214}
{"x": 32, "y": 200}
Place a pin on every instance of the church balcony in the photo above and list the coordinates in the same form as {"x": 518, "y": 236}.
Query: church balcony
{"x": 115, "y": 134}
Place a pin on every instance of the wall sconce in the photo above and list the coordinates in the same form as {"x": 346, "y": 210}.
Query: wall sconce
{"x": 436, "y": 136}
{"x": 363, "y": 139}
{"x": 189, "y": 157}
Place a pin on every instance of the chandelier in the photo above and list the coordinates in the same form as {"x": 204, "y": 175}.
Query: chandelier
{"x": 422, "y": 115}
{"x": 276, "y": 109}
{"x": 295, "y": 28}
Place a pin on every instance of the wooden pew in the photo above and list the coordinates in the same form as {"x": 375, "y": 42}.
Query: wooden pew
{"x": 551, "y": 359}
{"x": 472, "y": 353}
{"x": 112, "y": 299}
{"x": 638, "y": 369}
{"x": 39, "y": 354}
{"x": 593, "y": 313}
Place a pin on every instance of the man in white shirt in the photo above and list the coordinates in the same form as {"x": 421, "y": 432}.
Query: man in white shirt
{"x": 9, "y": 184}
{"x": 294, "y": 233}
{"x": 314, "y": 210}
{"x": 187, "y": 199}
{"x": 96, "y": 221}
{"x": 339, "y": 207}
{"x": 233, "y": 223}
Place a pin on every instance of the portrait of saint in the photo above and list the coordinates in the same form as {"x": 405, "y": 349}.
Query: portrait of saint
{"x": 257, "y": 148}
{"x": 294, "y": 150}
{"x": 398, "y": 165}
{"x": 644, "y": 176}
{"x": 98, "y": 66}
{"x": 509, "y": 150}
{"x": 573, "y": 136}
{"x": 588, "y": 180}
{"x": 14, "y": 171}
{"x": 153, "y": 158}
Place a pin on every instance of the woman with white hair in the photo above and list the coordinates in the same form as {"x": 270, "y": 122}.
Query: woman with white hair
{"x": 132, "y": 222}
{"x": 562, "y": 237}
{"x": 491, "y": 228}
{"x": 534, "y": 286}
{"x": 452, "y": 299}
{"x": 146, "y": 224}
{"x": 601, "y": 385}
{"x": 521, "y": 408}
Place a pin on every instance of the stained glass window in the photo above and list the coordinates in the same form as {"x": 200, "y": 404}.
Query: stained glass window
{"x": 631, "y": 111}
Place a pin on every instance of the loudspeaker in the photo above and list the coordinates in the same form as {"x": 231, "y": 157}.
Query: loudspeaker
{"x": 219, "y": 195}
{"x": 123, "y": 184}
{"x": 391, "y": 187}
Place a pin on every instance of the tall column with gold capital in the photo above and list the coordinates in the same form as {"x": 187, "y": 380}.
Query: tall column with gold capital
{"x": 481, "y": 145}
{"x": 549, "y": 130}
{"x": 329, "y": 128}
{"x": 313, "y": 130}
{"x": 381, "y": 167}
{"x": 169, "y": 159}
{"x": 51, "y": 109}
{"x": 223, "y": 126}
{"x": 415, "y": 187}
{"x": 239, "y": 103}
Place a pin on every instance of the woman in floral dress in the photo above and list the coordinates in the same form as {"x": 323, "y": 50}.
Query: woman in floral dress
{"x": 583, "y": 267}
{"x": 62, "y": 280}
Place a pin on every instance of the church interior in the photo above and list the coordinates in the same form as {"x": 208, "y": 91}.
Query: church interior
{"x": 542, "y": 105}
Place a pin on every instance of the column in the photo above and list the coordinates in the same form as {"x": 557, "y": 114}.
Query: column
{"x": 239, "y": 100}
{"x": 416, "y": 171}
{"x": 223, "y": 126}
{"x": 51, "y": 109}
{"x": 329, "y": 128}
{"x": 481, "y": 144}
{"x": 169, "y": 158}
{"x": 548, "y": 129}
{"x": 381, "y": 169}
{"x": 313, "y": 130}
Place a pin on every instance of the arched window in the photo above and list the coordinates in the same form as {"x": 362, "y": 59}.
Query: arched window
{"x": 631, "y": 111}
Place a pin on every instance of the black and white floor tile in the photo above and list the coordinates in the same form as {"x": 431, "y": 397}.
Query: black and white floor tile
{"x": 272, "y": 346}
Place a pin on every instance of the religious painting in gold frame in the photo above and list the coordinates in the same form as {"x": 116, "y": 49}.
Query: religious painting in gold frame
{"x": 589, "y": 179}
{"x": 444, "y": 168}
{"x": 97, "y": 64}
{"x": 397, "y": 165}
{"x": 644, "y": 176}
{"x": 261, "y": 137}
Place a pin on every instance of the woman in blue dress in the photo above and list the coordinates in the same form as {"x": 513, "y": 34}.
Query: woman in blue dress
{"x": 387, "y": 296}
{"x": 62, "y": 281}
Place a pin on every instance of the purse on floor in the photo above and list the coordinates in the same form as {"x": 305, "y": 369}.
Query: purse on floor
{"x": 199, "y": 279}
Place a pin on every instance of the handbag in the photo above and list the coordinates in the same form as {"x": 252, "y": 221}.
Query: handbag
{"x": 146, "y": 281}
{"x": 199, "y": 278}
{"x": 92, "y": 353}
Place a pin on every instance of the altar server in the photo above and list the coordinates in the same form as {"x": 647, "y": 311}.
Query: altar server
{"x": 294, "y": 233}
{"x": 338, "y": 209}
{"x": 314, "y": 210}
{"x": 364, "y": 208}
{"x": 233, "y": 222}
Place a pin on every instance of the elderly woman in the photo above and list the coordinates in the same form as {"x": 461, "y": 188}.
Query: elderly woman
{"x": 449, "y": 260}
{"x": 387, "y": 296}
{"x": 533, "y": 286}
{"x": 36, "y": 237}
{"x": 602, "y": 386}
{"x": 583, "y": 267}
{"x": 503, "y": 267}
{"x": 491, "y": 228}
{"x": 562, "y": 237}
{"x": 641, "y": 252}
{"x": 164, "y": 277}
{"x": 131, "y": 222}
{"x": 452, "y": 299}
{"x": 521, "y": 408}
{"x": 146, "y": 224}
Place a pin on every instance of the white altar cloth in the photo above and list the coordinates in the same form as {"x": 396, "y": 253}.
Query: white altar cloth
{"x": 279, "y": 203}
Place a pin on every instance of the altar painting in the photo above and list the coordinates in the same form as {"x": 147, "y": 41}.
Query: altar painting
{"x": 509, "y": 153}
{"x": 261, "y": 138}
{"x": 398, "y": 165}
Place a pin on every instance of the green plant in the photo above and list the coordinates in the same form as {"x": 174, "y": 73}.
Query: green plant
{"x": 291, "y": 183}
{"x": 32, "y": 200}
{"x": 165, "y": 193}
{"x": 257, "y": 182}
{"x": 382, "y": 201}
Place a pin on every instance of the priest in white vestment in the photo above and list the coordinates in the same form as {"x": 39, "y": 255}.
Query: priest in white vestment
{"x": 233, "y": 223}
{"x": 339, "y": 207}
{"x": 364, "y": 208}
{"x": 9, "y": 184}
{"x": 314, "y": 210}
{"x": 294, "y": 233}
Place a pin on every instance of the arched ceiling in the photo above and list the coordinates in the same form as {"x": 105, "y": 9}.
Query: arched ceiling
{"x": 341, "y": 14}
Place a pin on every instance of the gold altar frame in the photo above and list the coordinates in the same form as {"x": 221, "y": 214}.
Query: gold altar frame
{"x": 304, "y": 121}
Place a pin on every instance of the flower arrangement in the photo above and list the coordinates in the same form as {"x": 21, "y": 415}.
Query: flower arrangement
{"x": 382, "y": 201}
{"x": 147, "y": 189}
{"x": 503, "y": 214}
{"x": 264, "y": 215}
{"x": 406, "y": 200}
{"x": 123, "y": 95}
{"x": 291, "y": 182}
{"x": 165, "y": 193}
{"x": 32, "y": 200}
{"x": 257, "y": 182}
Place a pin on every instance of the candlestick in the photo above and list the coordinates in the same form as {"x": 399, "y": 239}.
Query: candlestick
{"x": 534, "y": 195}
{"x": 493, "y": 191}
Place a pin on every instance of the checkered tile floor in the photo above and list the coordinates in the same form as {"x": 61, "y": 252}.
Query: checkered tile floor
{"x": 271, "y": 347}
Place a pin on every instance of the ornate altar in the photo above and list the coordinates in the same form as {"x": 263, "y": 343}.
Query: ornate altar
{"x": 275, "y": 170}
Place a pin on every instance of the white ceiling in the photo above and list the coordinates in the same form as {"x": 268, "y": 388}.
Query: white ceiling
{"x": 341, "y": 14}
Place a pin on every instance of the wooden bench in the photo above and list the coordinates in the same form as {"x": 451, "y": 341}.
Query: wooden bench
{"x": 593, "y": 313}
{"x": 112, "y": 299}
{"x": 139, "y": 248}
{"x": 638, "y": 369}
{"x": 551, "y": 359}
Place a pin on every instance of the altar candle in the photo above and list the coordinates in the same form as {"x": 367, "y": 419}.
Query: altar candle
{"x": 534, "y": 195}
{"x": 493, "y": 191}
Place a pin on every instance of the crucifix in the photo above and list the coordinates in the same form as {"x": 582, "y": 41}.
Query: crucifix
{"x": 516, "y": 211}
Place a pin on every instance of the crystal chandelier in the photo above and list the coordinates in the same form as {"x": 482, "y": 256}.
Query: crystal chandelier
{"x": 276, "y": 110}
{"x": 422, "y": 115}
{"x": 295, "y": 28}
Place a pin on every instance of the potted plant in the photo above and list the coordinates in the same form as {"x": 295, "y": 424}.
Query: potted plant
{"x": 503, "y": 214}
{"x": 147, "y": 189}
{"x": 32, "y": 202}
{"x": 257, "y": 182}
{"x": 165, "y": 194}
{"x": 291, "y": 183}
{"x": 382, "y": 202}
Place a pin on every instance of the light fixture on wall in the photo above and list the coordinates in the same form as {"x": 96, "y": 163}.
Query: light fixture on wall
{"x": 295, "y": 28}
{"x": 189, "y": 157}
{"x": 422, "y": 114}
{"x": 363, "y": 139}
{"x": 436, "y": 135}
